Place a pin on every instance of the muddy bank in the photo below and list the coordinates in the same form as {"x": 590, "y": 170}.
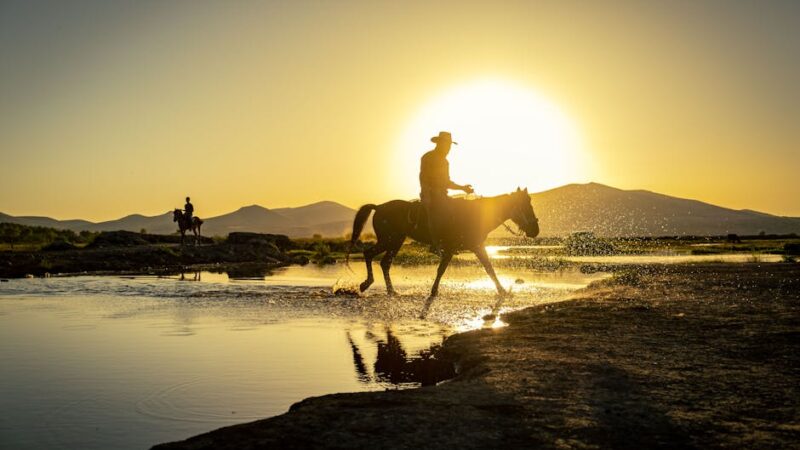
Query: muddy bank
{"x": 676, "y": 356}
{"x": 127, "y": 252}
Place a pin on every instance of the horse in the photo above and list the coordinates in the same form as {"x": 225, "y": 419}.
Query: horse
{"x": 183, "y": 224}
{"x": 471, "y": 222}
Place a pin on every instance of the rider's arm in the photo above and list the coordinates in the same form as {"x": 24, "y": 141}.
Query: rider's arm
{"x": 452, "y": 184}
{"x": 466, "y": 187}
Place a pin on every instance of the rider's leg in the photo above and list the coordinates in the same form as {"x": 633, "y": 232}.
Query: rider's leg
{"x": 433, "y": 205}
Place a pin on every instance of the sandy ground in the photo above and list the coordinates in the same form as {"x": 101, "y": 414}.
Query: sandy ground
{"x": 681, "y": 356}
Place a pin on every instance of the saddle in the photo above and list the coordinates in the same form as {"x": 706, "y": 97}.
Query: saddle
{"x": 417, "y": 215}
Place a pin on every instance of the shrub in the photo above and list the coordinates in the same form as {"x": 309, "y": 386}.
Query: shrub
{"x": 791, "y": 248}
{"x": 585, "y": 243}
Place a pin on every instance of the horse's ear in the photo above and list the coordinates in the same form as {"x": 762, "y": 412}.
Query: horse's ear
{"x": 526, "y": 190}
{"x": 517, "y": 188}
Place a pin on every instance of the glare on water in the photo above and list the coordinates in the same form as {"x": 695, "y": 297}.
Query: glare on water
{"x": 127, "y": 362}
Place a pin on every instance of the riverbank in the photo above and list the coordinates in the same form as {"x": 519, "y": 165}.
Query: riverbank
{"x": 123, "y": 252}
{"x": 662, "y": 356}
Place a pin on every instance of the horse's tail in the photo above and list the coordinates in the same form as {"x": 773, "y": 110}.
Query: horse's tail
{"x": 358, "y": 225}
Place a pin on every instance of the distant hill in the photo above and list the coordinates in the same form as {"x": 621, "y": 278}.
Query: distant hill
{"x": 324, "y": 218}
{"x": 36, "y": 221}
{"x": 162, "y": 224}
{"x": 608, "y": 211}
{"x": 605, "y": 210}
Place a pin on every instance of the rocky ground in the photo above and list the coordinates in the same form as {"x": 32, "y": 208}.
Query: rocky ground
{"x": 680, "y": 356}
{"x": 127, "y": 252}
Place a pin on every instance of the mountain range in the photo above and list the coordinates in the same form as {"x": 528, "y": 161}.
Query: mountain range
{"x": 324, "y": 218}
{"x": 609, "y": 211}
{"x": 605, "y": 210}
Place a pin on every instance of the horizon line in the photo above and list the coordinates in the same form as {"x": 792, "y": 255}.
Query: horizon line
{"x": 356, "y": 208}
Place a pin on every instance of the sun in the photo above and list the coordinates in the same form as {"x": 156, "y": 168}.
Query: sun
{"x": 508, "y": 135}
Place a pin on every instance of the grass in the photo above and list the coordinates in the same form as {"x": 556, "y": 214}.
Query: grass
{"x": 413, "y": 254}
{"x": 4, "y": 247}
{"x": 19, "y": 247}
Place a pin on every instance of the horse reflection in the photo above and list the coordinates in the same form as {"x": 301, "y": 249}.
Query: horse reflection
{"x": 361, "y": 369}
{"x": 394, "y": 366}
{"x": 195, "y": 276}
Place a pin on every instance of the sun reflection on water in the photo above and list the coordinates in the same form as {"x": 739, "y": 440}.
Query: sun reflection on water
{"x": 485, "y": 320}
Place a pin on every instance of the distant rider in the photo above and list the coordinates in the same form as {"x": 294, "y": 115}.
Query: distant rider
{"x": 188, "y": 210}
{"x": 434, "y": 181}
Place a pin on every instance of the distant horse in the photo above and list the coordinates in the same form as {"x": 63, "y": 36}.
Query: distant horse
{"x": 471, "y": 221}
{"x": 183, "y": 225}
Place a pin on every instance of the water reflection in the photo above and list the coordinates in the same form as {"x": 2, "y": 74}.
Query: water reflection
{"x": 361, "y": 368}
{"x": 248, "y": 272}
{"x": 164, "y": 358}
{"x": 394, "y": 366}
{"x": 252, "y": 272}
{"x": 486, "y": 319}
{"x": 195, "y": 276}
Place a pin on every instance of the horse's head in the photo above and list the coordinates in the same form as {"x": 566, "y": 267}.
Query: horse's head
{"x": 522, "y": 213}
{"x": 176, "y": 215}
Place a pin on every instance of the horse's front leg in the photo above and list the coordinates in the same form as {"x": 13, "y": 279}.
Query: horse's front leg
{"x": 444, "y": 261}
{"x": 480, "y": 252}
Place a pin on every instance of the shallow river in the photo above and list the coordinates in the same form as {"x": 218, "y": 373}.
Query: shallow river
{"x": 127, "y": 362}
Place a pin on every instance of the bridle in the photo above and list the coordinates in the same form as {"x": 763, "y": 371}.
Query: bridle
{"x": 525, "y": 222}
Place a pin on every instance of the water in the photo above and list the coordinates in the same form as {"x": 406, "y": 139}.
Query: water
{"x": 501, "y": 252}
{"x": 676, "y": 259}
{"x": 127, "y": 362}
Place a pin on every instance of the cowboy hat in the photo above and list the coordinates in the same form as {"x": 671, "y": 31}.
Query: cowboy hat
{"x": 443, "y": 136}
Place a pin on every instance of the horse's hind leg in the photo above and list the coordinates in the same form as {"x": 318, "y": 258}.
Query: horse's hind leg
{"x": 369, "y": 254}
{"x": 386, "y": 264}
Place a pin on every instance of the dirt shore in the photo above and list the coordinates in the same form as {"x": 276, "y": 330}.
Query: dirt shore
{"x": 679, "y": 356}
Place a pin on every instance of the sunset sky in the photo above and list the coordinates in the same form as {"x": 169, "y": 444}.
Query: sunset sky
{"x": 110, "y": 108}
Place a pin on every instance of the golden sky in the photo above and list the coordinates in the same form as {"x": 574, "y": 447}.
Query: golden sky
{"x": 111, "y": 108}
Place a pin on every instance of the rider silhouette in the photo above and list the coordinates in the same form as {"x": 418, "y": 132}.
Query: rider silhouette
{"x": 188, "y": 208}
{"x": 434, "y": 181}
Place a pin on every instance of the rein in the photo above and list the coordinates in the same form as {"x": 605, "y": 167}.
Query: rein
{"x": 517, "y": 233}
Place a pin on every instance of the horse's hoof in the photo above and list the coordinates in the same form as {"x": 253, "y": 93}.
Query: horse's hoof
{"x": 363, "y": 286}
{"x": 392, "y": 293}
